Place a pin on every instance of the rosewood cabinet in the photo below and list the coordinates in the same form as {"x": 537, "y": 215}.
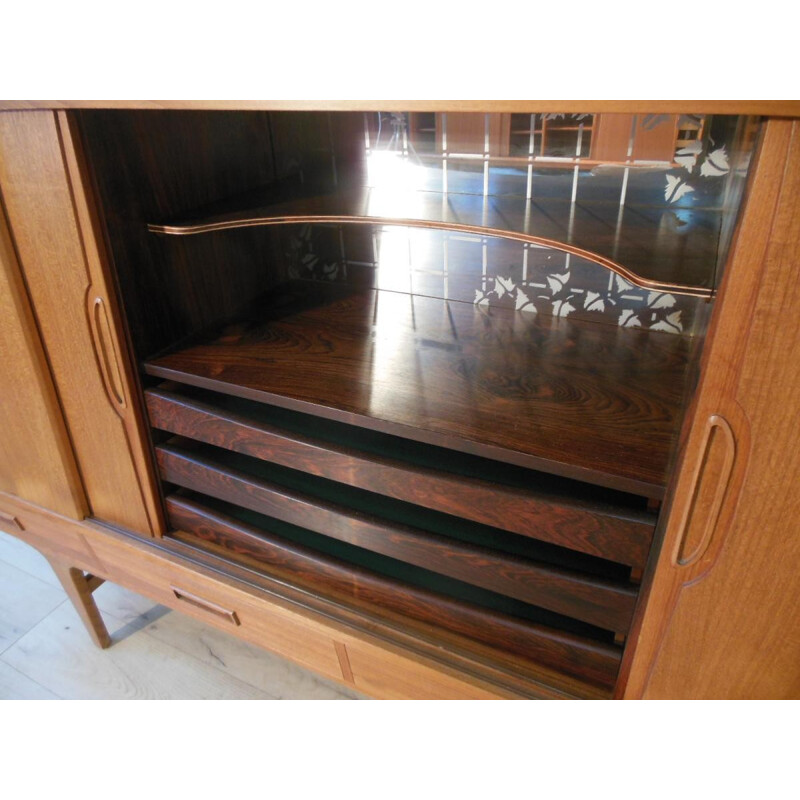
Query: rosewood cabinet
{"x": 433, "y": 417}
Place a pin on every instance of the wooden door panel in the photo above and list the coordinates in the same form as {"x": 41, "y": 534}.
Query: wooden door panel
{"x": 36, "y": 459}
{"x": 56, "y": 238}
{"x": 725, "y": 622}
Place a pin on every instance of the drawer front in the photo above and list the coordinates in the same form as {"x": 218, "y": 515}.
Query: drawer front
{"x": 277, "y": 629}
{"x": 49, "y": 533}
{"x": 379, "y": 672}
{"x": 266, "y": 620}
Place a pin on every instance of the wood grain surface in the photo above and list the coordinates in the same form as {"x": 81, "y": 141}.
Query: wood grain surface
{"x": 779, "y": 108}
{"x": 36, "y": 458}
{"x": 146, "y": 165}
{"x": 598, "y": 602}
{"x": 542, "y": 511}
{"x": 585, "y": 401}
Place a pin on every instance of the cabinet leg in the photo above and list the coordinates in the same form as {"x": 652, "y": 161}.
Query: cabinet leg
{"x": 79, "y": 588}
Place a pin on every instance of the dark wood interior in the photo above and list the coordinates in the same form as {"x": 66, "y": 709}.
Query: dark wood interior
{"x": 479, "y": 472}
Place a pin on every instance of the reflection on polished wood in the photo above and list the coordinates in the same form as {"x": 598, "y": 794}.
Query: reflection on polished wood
{"x": 581, "y": 400}
{"x": 631, "y": 242}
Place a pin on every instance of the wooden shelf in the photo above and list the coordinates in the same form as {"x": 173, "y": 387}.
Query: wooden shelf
{"x": 580, "y": 400}
{"x": 643, "y": 244}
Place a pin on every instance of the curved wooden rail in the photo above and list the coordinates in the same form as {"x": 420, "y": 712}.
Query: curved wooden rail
{"x": 353, "y": 208}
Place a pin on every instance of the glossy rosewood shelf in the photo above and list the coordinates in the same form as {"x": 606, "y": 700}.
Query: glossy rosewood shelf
{"x": 580, "y": 400}
{"x": 635, "y": 244}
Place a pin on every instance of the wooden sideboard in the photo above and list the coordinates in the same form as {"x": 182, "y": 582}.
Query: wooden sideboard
{"x": 707, "y": 605}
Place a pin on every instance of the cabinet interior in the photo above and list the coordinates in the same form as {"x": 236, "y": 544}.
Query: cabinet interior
{"x": 431, "y": 366}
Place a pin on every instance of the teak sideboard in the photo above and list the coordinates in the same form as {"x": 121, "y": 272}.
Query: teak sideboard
{"x": 411, "y": 397}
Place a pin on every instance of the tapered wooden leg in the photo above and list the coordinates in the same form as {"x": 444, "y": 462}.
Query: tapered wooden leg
{"x": 79, "y": 588}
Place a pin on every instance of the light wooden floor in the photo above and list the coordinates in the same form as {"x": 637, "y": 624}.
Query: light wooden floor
{"x": 45, "y": 652}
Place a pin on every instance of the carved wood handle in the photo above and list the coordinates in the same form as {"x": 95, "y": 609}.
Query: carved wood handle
{"x": 207, "y": 605}
{"x": 107, "y": 354}
{"x": 710, "y": 483}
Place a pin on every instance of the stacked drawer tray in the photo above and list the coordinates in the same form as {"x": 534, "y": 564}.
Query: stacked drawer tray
{"x": 446, "y": 525}
{"x": 522, "y": 562}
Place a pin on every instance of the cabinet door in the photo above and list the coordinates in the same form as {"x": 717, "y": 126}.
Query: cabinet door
{"x": 56, "y": 238}
{"x": 723, "y": 615}
{"x": 36, "y": 460}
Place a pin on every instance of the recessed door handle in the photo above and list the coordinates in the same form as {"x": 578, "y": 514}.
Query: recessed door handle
{"x": 710, "y": 484}
{"x": 107, "y": 354}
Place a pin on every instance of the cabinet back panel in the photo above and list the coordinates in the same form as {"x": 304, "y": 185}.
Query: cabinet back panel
{"x": 161, "y": 163}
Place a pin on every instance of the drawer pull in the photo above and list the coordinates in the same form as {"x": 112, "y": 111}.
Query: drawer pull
{"x": 207, "y": 605}
{"x": 11, "y": 520}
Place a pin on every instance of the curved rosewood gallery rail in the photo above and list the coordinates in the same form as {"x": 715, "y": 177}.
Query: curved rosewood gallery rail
{"x": 354, "y": 208}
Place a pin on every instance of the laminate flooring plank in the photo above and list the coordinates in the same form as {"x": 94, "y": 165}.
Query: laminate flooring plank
{"x": 16, "y": 686}
{"x": 22, "y": 556}
{"x": 59, "y": 655}
{"x": 24, "y": 602}
{"x": 255, "y": 666}
{"x": 125, "y": 605}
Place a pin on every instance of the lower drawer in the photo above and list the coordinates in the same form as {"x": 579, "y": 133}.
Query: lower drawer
{"x": 327, "y": 649}
{"x": 371, "y": 664}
